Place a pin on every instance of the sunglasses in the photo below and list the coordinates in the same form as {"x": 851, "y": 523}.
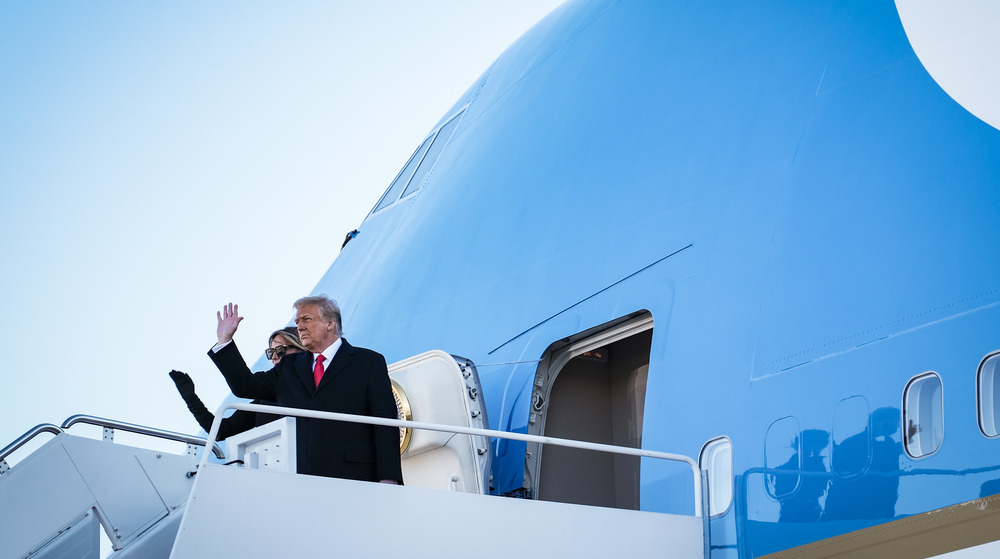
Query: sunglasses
{"x": 277, "y": 351}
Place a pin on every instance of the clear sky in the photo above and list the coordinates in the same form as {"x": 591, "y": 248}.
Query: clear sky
{"x": 159, "y": 159}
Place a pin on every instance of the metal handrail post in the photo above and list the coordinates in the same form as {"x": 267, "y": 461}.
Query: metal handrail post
{"x": 27, "y": 436}
{"x": 143, "y": 430}
{"x": 350, "y": 418}
{"x": 706, "y": 515}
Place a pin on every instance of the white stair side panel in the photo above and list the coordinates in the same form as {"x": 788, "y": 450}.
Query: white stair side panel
{"x": 126, "y": 497}
{"x": 40, "y": 496}
{"x": 80, "y": 541}
{"x": 249, "y": 514}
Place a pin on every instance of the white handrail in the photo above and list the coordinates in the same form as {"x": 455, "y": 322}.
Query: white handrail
{"x": 23, "y": 439}
{"x": 350, "y": 418}
{"x": 143, "y": 430}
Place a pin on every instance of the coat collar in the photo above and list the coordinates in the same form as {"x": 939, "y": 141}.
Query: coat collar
{"x": 343, "y": 356}
{"x": 304, "y": 366}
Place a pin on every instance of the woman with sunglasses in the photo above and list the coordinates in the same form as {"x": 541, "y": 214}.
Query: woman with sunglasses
{"x": 282, "y": 342}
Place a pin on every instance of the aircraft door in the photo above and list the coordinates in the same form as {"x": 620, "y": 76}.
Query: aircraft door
{"x": 591, "y": 387}
{"x": 436, "y": 387}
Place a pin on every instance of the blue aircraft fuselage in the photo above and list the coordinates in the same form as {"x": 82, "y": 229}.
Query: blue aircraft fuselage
{"x": 808, "y": 217}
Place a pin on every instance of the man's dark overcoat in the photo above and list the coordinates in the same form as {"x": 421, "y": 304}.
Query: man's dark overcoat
{"x": 356, "y": 381}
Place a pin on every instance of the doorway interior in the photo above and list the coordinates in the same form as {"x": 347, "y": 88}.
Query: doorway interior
{"x": 591, "y": 387}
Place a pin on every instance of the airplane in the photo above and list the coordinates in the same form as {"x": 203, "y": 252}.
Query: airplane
{"x": 760, "y": 234}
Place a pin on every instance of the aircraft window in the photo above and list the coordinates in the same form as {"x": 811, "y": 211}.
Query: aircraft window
{"x": 427, "y": 164}
{"x": 851, "y": 440}
{"x": 392, "y": 194}
{"x": 989, "y": 395}
{"x": 782, "y": 460}
{"x": 923, "y": 417}
{"x": 717, "y": 459}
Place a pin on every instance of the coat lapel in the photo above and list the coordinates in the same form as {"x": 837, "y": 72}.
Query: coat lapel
{"x": 343, "y": 356}
{"x": 303, "y": 369}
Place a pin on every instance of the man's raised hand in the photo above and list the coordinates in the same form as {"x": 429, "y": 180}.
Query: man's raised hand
{"x": 229, "y": 321}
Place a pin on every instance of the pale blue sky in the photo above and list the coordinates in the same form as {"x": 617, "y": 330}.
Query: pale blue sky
{"x": 158, "y": 159}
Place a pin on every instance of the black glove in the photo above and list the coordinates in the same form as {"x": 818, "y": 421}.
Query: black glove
{"x": 184, "y": 384}
{"x": 186, "y": 387}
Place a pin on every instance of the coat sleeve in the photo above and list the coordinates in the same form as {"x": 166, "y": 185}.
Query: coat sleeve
{"x": 241, "y": 381}
{"x": 382, "y": 404}
{"x": 200, "y": 412}
{"x": 237, "y": 423}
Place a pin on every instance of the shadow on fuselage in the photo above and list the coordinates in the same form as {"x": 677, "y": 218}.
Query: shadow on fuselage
{"x": 874, "y": 493}
{"x": 862, "y": 483}
{"x": 802, "y": 504}
{"x": 991, "y": 487}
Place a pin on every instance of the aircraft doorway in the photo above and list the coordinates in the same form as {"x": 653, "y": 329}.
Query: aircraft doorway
{"x": 591, "y": 387}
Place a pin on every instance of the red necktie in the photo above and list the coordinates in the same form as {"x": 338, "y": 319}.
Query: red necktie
{"x": 318, "y": 369}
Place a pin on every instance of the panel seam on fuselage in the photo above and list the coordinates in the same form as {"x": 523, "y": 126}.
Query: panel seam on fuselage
{"x": 592, "y": 295}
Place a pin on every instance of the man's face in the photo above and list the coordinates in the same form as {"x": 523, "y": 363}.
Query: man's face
{"x": 314, "y": 333}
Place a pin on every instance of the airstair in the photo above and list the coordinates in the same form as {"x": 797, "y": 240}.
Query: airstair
{"x": 57, "y": 500}
{"x": 153, "y": 504}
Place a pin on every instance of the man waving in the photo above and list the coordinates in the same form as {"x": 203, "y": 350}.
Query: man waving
{"x": 332, "y": 376}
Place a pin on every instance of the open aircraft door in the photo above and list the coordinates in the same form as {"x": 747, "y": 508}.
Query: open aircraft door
{"x": 436, "y": 387}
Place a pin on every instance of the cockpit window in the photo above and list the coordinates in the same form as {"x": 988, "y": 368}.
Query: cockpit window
{"x": 440, "y": 141}
{"x": 419, "y": 166}
{"x": 403, "y": 177}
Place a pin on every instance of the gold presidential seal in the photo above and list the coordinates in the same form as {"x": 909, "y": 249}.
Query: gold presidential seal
{"x": 404, "y": 412}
